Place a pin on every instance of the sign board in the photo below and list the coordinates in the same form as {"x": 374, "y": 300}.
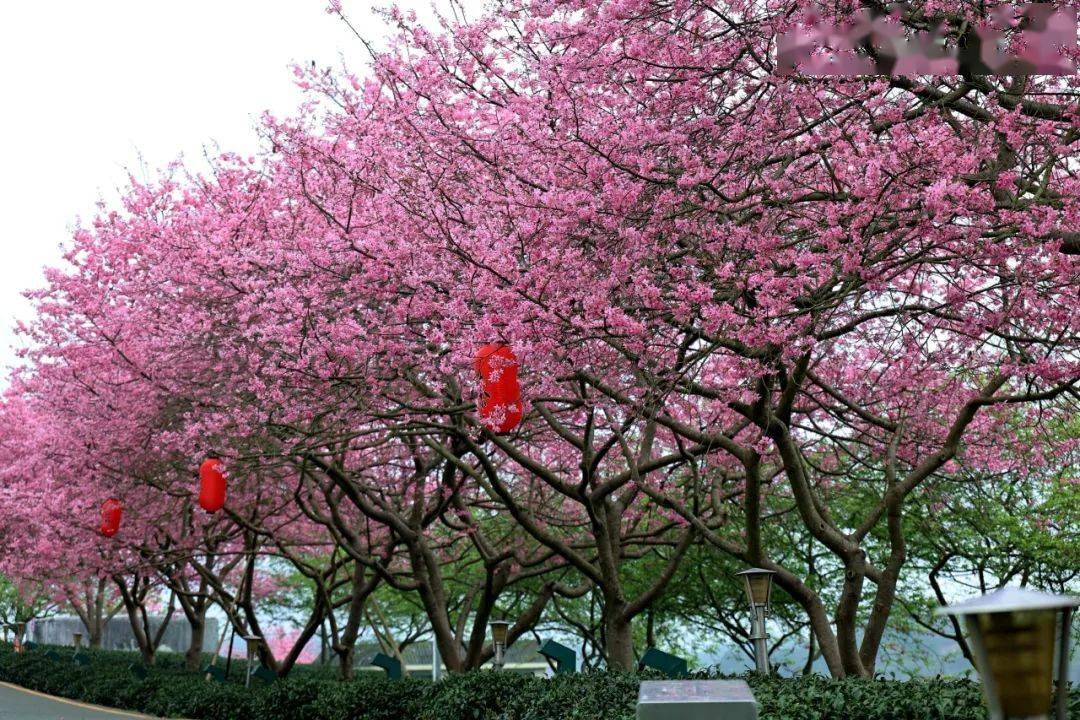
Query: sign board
{"x": 671, "y": 665}
{"x": 564, "y": 657}
{"x": 392, "y": 666}
{"x": 696, "y": 700}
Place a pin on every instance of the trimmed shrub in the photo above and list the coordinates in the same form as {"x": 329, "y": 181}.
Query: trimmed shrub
{"x": 170, "y": 690}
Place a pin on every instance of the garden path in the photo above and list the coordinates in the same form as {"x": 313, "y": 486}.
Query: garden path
{"x": 17, "y": 703}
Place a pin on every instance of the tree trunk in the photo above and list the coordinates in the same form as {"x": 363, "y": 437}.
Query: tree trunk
{"x": 808, "y": 668}
{"x": 347, "y": 662}
{"x": 345, "y": 645}
{"x": 847, "y": 615}
{"x": 146, "y": 646}
{"x": 618, "y": 638}
{"x": 90, "y": 606}
{"x": 193, "y": 656}
{"x": 134, "y": 599}
{"x": 97, "y": 633}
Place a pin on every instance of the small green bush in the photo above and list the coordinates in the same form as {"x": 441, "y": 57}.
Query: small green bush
{"x": 312, "y": 694}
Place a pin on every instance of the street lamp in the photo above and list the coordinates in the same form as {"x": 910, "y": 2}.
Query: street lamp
{"x": 758, "y": 584}
{"x": 77, "y": 640}
{"x": 1012, "y": 633}
{"x": 500, "y": 630}
{"x": 252, "y": 648}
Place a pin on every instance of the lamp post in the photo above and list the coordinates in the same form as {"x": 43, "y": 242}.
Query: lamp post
{"x": 758, "y": 585}
{"x": 1012, "y": 633}
{"x": 76, "y": 639}
{"x": 500, "y": 629}
{"x": 20, "y": 629}
{"x": 252, "y": 648}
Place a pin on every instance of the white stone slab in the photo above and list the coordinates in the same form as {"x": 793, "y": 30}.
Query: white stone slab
{"x": 696, "y": 700}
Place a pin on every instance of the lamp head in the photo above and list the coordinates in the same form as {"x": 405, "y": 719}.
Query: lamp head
{"x": 1013, "y": 634}
{"x": 758, "y": 584}
{"x": 500, "y": 630}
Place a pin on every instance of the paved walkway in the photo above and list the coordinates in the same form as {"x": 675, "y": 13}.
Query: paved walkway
{"x": 17, "y": 703}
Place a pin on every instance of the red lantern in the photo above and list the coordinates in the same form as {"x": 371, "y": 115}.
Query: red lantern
{"x": 111, "y": 510}
{"x": 211, "y": 485}
{"x": 498, "y": 369}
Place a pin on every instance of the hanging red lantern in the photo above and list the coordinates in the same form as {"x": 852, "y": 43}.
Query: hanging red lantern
{"x": 211, "y": 485}
{"x": 111, "y": 510}
{"x": 498, "y": 369}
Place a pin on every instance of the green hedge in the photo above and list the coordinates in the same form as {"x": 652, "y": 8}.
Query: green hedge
{"x": 171, "y": 691}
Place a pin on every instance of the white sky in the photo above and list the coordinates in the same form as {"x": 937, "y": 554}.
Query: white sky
{"x": 88, "y": 87}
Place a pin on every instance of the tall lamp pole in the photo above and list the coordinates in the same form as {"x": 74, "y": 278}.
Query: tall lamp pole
{"x": 500, "y": 630}
{"x": 758, "y": 585}
{"x": 252, "y": 648}
{"x": 436, "y": 660}
{"x": 1013, "y": 632}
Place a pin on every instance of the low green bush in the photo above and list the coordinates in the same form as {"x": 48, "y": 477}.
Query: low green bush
{"x": 170, "y": 690}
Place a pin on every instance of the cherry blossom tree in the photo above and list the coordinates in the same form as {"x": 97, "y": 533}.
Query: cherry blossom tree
{"x": 736, "y": 296}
